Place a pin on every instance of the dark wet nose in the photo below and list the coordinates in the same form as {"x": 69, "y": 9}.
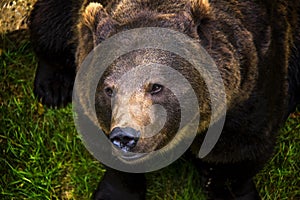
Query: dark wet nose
{"x": 124, "y": 138}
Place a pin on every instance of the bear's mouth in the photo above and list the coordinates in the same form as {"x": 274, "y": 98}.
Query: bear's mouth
{"x": 124, "y": 154}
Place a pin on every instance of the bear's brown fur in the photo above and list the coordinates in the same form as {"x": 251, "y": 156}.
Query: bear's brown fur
{"x": 240, "y": 38}
{"x": 255, "y": 45}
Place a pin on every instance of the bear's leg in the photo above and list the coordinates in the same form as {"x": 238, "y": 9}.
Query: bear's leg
{"x": 244, "y": 189}
{"x": 228, "y": 181}
{"x": 117, "y": 185}
{"x": 53, "y": 84}
{"x": 52, "y": 37}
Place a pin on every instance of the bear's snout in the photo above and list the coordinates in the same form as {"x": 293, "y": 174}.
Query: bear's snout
{"x": 124, "y": 138}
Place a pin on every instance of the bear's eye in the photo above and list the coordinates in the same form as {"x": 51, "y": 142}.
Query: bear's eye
{"x": 156, "y": 88}
{"x": 108, "y": 91}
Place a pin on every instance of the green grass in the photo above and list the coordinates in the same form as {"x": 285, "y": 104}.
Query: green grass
{"x": 280, "y": 179}
{"x": 42, "y": 156}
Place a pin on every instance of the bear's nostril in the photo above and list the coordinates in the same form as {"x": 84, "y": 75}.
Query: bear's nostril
{"x": 124, "y": 138}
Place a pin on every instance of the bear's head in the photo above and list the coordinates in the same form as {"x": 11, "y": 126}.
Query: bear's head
{"x": 140, "y": 101}
{"x": 135, "y": 108}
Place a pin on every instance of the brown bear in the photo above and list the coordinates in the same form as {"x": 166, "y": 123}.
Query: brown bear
{"x": 254, "y": 44}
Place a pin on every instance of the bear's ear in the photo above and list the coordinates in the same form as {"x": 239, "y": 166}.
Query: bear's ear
{"x": 94, "y": 26}
{"x": 200, "y": 10}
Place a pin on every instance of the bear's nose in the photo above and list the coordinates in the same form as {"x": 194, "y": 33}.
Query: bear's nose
{"x": 124, "y": 138}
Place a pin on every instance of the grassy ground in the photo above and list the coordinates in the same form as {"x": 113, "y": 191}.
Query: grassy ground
{"x": 42, "y": 156}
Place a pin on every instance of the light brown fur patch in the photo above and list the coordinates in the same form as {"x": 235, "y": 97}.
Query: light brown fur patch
{"x": 89, "y": 14}
{"x": 139, "y": 108}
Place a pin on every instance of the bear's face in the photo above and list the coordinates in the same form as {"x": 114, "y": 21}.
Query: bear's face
{"x": 128, "y": 107}
{"x": 134, "y": 101}
{"x": 138, "y": 113}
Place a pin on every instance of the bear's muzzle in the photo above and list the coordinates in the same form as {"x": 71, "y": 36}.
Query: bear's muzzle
{"x": 124, "y": 138}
